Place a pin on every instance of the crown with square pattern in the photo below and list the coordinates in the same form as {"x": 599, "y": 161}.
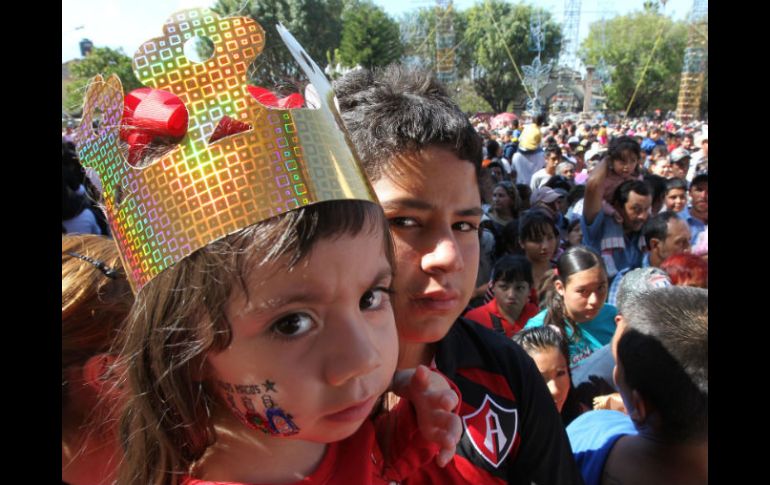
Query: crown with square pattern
{"x": 201, "y": 191}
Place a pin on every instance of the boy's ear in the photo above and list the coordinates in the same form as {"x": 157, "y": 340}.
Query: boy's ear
{"x": 98, "y": 371}
{"x": 640, "y": 412}
{"x": 654, "y": 243}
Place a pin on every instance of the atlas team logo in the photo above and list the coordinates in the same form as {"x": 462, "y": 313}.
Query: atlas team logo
{"x": 492, "y": 430}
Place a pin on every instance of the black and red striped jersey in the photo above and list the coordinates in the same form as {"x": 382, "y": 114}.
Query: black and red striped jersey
{"x": 512, "y": 432}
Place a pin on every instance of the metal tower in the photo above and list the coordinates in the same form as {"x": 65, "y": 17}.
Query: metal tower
{"x": 569, "y": 43}
{"x": 564, "y": 100}
{"x": 694, "y": 68}
{"x": 445, "y": 42}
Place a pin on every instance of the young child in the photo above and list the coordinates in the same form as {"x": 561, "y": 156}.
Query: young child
{"x": 510, "y": 309}
{"x": 574, "y": 303}
{"x": 623, "y": 155}
{"x": 96, "y": 299}
{"x": 253, "y": 354}
{"x": 676, "y": 195}
{"x": 659, "y": 164}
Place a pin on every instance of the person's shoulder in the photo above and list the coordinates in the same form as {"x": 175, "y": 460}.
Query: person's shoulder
{"x": 529, "y": 312}
{"x": 473, "y": 337}
{"x": 608, "y": 311}
{"x": 479, "y": 314}
{"x": 598, "y": 425}
{"x": 537, "y": 320}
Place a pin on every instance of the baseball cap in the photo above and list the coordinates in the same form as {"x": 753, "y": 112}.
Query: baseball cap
{"x": 593, "y": 153}
{"x": 678, "y": 154}
{"x": 543, "y": 194}
{"x": 573, "y": 140}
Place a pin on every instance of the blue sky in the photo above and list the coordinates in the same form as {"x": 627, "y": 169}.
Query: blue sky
{"x": 128, "y": 23}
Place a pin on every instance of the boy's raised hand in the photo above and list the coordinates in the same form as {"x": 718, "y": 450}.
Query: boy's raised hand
{"x": 435, "y": 403}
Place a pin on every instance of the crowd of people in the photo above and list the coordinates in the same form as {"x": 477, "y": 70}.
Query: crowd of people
{"x": 515, "y": 306}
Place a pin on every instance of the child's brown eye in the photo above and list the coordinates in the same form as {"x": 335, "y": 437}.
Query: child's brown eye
{"x": 374, "y": 298}
{"x": 293, "y": 325}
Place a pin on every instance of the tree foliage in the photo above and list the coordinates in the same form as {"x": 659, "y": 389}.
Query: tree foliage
{"x": 493, "y": 74}
{"x": 101, "y": 60}
{"x": 629, "y": 40}
{"x": 317, "y": 25}
{"x": 467, "y": 98}
{"x": 369, "y": 37}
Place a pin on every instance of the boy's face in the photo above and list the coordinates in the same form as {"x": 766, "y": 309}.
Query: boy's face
{"x": 699, "y": 195}
{"x": 676, "y": 200}
{"x": 312, "y": 347}
{"x": 551, "y": 160}
{"x": 662, "y": 167}
{"x": 511, "y": 296}
{"x": 434, "y": 212}
{"x": 679, "y": 169}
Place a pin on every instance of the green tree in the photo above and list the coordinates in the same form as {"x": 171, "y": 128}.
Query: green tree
{"x": 418, "y": 35}
{"x": 101, "y": 60}
{"x": 493, "y": 25}
{"x": 629, "y": 42}
{"x": 316, "y": 24}
{"x": 467, "y": 98}
{"x": 369, "y": 37}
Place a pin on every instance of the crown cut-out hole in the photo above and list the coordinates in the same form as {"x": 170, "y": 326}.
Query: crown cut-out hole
{"x": 97, "y": 118}
{"x": 199, "y": 49}
{"x": 228, "y": 127}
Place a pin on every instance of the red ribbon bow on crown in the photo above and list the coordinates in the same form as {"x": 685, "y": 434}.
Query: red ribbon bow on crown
{"x": 153, "y": 113}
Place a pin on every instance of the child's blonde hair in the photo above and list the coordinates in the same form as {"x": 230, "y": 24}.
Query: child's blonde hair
{"x": 178, "y": 318}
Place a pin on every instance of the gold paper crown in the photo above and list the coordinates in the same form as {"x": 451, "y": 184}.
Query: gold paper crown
{"x": 202, "y": 191}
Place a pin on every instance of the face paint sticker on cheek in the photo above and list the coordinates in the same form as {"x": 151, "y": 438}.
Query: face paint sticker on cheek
{"x": 253, "y": 419}
{"x": 280, "y": 422}
{"x": 275, "y": 421}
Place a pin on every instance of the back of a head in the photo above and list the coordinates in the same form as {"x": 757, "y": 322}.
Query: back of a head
{"x": 664, "y": 355}
{"x": 96, "y": 297}
{"x": 660, "y": 151}
{"x": 640, "y": 280}
{"x": 392, "y": 110}
{"x": 657, "y": 184}
{"x": 687, "y": 269}
{"x": 492, "y": 148}
{"x": 559, "y": 181}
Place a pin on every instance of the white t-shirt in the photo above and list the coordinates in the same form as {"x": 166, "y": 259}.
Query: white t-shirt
{"x": 539, "y": 179}
{"x": 527, "y": 165}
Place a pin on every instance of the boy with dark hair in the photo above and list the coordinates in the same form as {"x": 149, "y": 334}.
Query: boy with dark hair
{"x": 697, "y": 215}
{"x": 422, "y": 157}
{"x": 510, "y": 309}
{"x": 552, "y": 159}
{"x": 661, "y": 345}
{"x": 676, "y": 195}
